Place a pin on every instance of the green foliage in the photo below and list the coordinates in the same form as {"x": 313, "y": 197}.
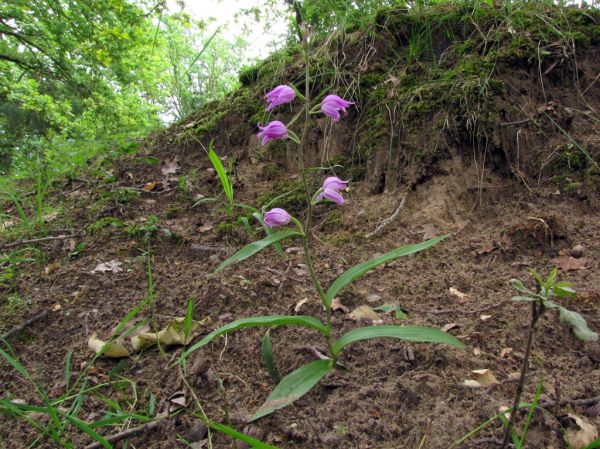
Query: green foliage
{"x": 255, "y": 247}
{"x": 223, "y": 175}
{"x": 407, "y": 333}
{"x": 294, "y": 386}
{"x": 268, "y": 357}
{"x": 549, "y": 289}
{"x": 359, "y": 270}
{"x": 122, "y": 67}
{"x": 260, "y": 321}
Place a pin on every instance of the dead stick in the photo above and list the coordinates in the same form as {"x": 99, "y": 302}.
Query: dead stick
{"x": 390, "y": 219}
{"x": 15, "y": 330}
{"x": 588, "y": 401}
{"x": 125, "y": 434}
{"x": 42, "y": 239}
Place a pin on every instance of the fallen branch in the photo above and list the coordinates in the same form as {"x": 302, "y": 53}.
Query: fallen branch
{"x": 125, "y": 434}
{"x": 390, "y": 219}
{"x": 42, "y": 239}
{"x": 15, "y": 330}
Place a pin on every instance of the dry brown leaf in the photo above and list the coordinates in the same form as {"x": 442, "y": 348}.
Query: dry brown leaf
{"x": 177, "y": 400}
{"x": 448, "y": 327}
{"x": 205, "y": 228}
{"x": 373, "y": 297}
{"x": 113, "y": 350}
{"x": 365, "y": 313}
{"x": 429, "y": 232}
{"x": 486, "y": 249}
{"x": 483, "y": 378}
{"x": 477, "y": 351}
{"x": 113, "y": 266}
{"x": 484, "y": 317}
{"x": 173, "y": 334}
{"x": 51, "y": 268}
{"x": 568, "y": 263}
{"x": 153, "y": 186}
{"x": 170, "y": 167}
{"x": 299, "y": 304}
{"x": 580, "y": 433}
{"x": 504, "y": 408}
{"x": 460, "y": 295}
{"x": 505, "y": 351}
{"x": 336, "y": 304}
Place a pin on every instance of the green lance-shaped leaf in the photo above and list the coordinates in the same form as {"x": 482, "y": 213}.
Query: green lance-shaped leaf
{"x": 358, "y": 270}
{"x": 269, "y": 357}
{"x": 420, "y": 334}
{"x": 225, "y": 181}
{"x": 255, "y": 247}
{"x": 259, "y": 321}
{"x": 578, "y": 324}
{"x": 294, "y": 386}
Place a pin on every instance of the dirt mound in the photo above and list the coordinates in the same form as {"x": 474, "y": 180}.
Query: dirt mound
{"x": 484, "y": 120}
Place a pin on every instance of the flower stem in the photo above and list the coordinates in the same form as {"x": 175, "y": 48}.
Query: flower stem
{"x": 536, "y": 312}
{"x": 309, "y": 200}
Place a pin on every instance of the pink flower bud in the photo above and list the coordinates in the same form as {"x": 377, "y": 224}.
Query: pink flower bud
{"x": 277, "y": 217}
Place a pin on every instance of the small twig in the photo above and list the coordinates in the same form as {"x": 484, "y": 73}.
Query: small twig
{"x": 462, "y": 311}
{"x": 317, "y": 353}
{"x": 15, "y": 330}
{"x": 518, "y": 122}
{"x": 42, "y": 239}
{"x": 588, "y": 401}
{"x": 552, "y": 66}
{"x": 126, "y": 434}
{"x": 390, "y": 219}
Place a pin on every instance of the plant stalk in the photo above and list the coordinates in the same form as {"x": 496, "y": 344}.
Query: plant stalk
{"x": 307, "y": 225}
{"x": 536, "y": 312}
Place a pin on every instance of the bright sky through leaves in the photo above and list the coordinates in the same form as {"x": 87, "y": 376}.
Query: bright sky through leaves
{"x": 261, "y": 41}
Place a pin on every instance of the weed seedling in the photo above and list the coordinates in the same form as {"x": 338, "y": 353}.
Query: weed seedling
{"x": 541, "y": 301}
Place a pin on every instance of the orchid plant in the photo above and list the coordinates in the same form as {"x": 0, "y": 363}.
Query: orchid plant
{"x": 302, "y": 380}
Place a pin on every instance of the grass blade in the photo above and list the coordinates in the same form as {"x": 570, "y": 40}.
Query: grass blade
{"x": 419, "y": 334}
{"x": 294, "y": 386}
{"x": 259, "y": 321}
{"x": 253, "y": 442}
{"x": 255, "y": 247}
{"x": 358, "y": 270}
{"x": 81, "y": 425}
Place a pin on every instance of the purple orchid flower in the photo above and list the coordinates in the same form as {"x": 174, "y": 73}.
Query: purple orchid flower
{"x": 279, "y": 95}
{"x": 332, "y": 105}
{"x": 277, "y": 217}
{"x": 275, "y": 130}
{"x": 332, "y": 195}
{"x": 331, "y": 190}
{"x": 335, "y": 183}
